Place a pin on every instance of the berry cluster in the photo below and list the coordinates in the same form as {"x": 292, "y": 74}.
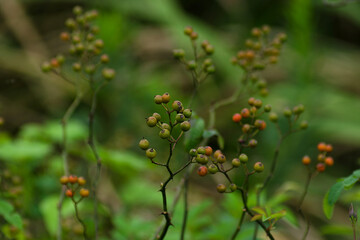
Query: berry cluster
{"x": 322, "y": 158}
{"x": 85, "y": 47}
{"x": 72, "y": 184}
{"x": 292, "y": 116}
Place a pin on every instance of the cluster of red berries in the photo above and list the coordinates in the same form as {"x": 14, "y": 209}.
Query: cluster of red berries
{"x": 84, "y": 45}
{"x": 248, "y": 122}
{"x": 212, "y": 162}
{"x": 322, "y": 158}
{"x": 206, "y": 65}
{"x": 73, "y": 183}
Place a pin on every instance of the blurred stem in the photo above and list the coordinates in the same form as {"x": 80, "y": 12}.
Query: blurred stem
{"x": 307, "y": 184}
{"x": 354, "y": 230}
{"x": 78, "y": 217}
{"x": 69, "y": 112}
{"x": 238, "y": 227}
{"x": 186, "y": 207}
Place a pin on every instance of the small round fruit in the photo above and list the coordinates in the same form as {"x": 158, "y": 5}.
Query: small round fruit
{"x": 287, "y": 112}
{"x": 76, "y": 67}
{"x": 221, "y": 188}
{"x": 208, "y": 151}
{"x": 251, "y": 101}
{"x": 236, "y": 162}
{"x": 259, "y": 167}
{"x": 157, "y": 116}
{"x": 267, "y": 108}
{"x": 180, "y": 117}
{"x": 273, "y": 117}
{"x": 165, "y": 126}
{"x": 201, "y": 150}
{"x": 246, "y": 128}
{"x": 104, "y": 58}
{"x": 202, "y": 171}
{"x": 108, "y": 73}
{"x": 263, "y": 125}
{"x": 164, "y": 133}
{"x": 320, "y": 167}
{"x": 46, "y": 67}
{"x": 151, "y": 153}
{"x": 165, "y": 97}
{"x": 194, "y": 35}
{"x": 304, "y": 125}
{"x": 243, "y": 158}
{"x": 245, "y": 113}
{"x": 329, "y": 161}
{"x": 158, "y": 99}
{"x": 84, "y": 192}
{"x": 193, "y": 152}
{"x": 187, "y": 113}
{"x": 178, "y": 53}
{"x": 177, "y": 106}
{"x": 233, "y": 187}
{"x": 188, "y": 30}
{"x": 212, "y": 169}
{"x": 258, "y": 103}
{"x": 306, "y": 160}
{"x": 81, "y": 181}
{"x": 236, "y": 117}
{"x": 202, "y": 159}
{"x": 73, "y": 179}
{"x": 151, "y": 121}
{"x": 64, "y": 180}
{"x": 329, "y": 148}
{"x": 221, "y": 158}
{"x": 69, "y": 193}
{"x": 252, "y": 143}
{"x": 217, "y": 153}
{"x": 64, "y": 36}
{"x": 185, "y": 126}
{"x": 321, "y": 157}
{"x": 321, "y": 147}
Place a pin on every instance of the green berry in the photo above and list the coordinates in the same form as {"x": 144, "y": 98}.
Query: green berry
{"x": 304, "y": 125}
{"x": 243, "y": 158}
{"x": 258, "y": 167}
{"x": 273, "y": 117}
{"x": 180, "y": 117}
{"x": 236, "y": 162}
{"x": 298, "y": 109}
{"x": 151, "y": 153}
{"x": 108, "y": 73}
{"x": 267, "y": 108}
{"x": 76, "y": 67}
{"x": 60, "y": 58}
{"x": 188, "y": 30}
{"x": 221, "y": 158}
{"x": 201, "y": 150}
{"x": 157, "y": 116}
{"x": 46, "y": 67}
{"x": 77, "y": 10}
{"x": 209, "y": 49}
{"x": 99, "y": 43}
{"x": 221, "y": 188}
{"x": 193, "y": 152}
{"x": 151, "y": 121}
{"x": 178, "y": 53}
{"x": 165, "y": 97}
{"x": 104, "y": 58}
{"x": 177, "y": 106}
{"x": 90, "y": 69}
{"x": 185, "y": 126}
{"x": 191, "y": 65}
{"x": 144, "y": 144}
{"x": 233, "y": 187}
{"x": 210, "y": 69}
{"x": 252, "y": 143}
{"x": 202, "y": 159}
{"x": 158, "y": 99}
{"x": 164, "y": 133}
{"x": 187, "y": 113}
{"x": 70, "y": 23}
{"x": 212, "y": 169}
{"x": 287, "y": 112}
{"x": 262, "y": 84}
{"x": 258, "y": 103}
{"x": 79, "y": 48}
{"x": 165, "y": 126}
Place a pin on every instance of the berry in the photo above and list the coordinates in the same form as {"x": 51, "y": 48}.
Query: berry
{"x": 212, "y": 169}
{"x": 320, "y": 167}
{"x": 321, "y": 147}
{"x": 69, "y": 193}
{"x": 329, "y": 148}
{"x": 185, "y": 126}
{"x": 243, "y": 158}
{"x": 258, "y": 103}
{"x": 90, "y": 69}
{"x": 210, "y": 69}
{"x": 256, "y": 32}
{"x": 287, "y": 112}
{"x": 304, "y": 125}
{"x": 252, "y": 143}
{"x": 208, "y": 151}
{"x": 209, "y": 49}
{"x": 46, "y": 67}
{"x": 165, "y": 97}
{"x": 266, "y": 29}
{"x": 158, "y": 99}
{"x": 84, "y": 192}
{"x": 204, "y": 44}
{"x": 64, "y": 36}
{"x": 70, "y": 23}
{"x": 191, "y": 65}
{"x": 99, "y": 43}
{"x": 64, "y": 180}
{"x": 263, "y": 125}
{"x": 81, "y": 181}
{"x": 194, "y": 35}
{"x": 221, "y": 158}
{"x": 180, "y": 117}
{"x": 267, "y": 108}
{"x": 245, "y": 113}
{"x": 188, "y": 30}
{"x": 201, "y": 150}
{"x": 177, "y": 106}
{"x": 193, "y": 152}
{"x": 104, "y": 58}
{"x": 79, "y": 48}
{"x": 157, "y": 116}
{"x": 151, "y": 121}
{"x": 246, "y": 128}
{"x": 165, "y": 126}
{"x": 164, "y": 133}
{"x": 329, "y": 161}
{"x": 202, "y": 171}
{"x": 233, "y": 187}
{"x": 178, "y": 53}
{"x": 251, "y": 101}
{"x": 108, "y": 73}
{"x": 217, "y": 153}
{"x": 221, "y": 188}
{"x": 273, "y": 117}
{"x": 299, "y": 109}
{"x": 259, "y": 167}
{"x": 76, "y": 67}
{"x": 151, "y": 153}
{"x": 236, "y": 117}
{"x": 144, "y": 144}
{"x": 273, "y": 59}
{"x": 54, "y": 63}
{"x": 306, "y": 160}
{"x": 321, "y": 157}
{"x": 202, "y": 159}
{"x": 236, "y": 162}
{"x": 73, "y": 179}
{"x": 187, "y": 113}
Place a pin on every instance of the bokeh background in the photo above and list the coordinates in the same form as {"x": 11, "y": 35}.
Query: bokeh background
{"x": 318, "y": 67}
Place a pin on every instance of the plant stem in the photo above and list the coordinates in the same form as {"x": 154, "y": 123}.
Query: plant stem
{"x": 354, "y": 230}
{"x": 79, "y": 219}
{"x": 238, "y": 227}
{"x": 186, "y": 207}
{"x": 308, "y": 180}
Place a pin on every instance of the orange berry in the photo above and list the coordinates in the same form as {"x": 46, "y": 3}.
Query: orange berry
{"x": 81, "y": 181}
{"x": 329, "y": 161}
{"x": 84, "y": 192}
{"x": 320, "y": 167}
{"x": 250, "y": 54}
{"x": 241, "y": 55}
{"x": 245, "y": 113}
{"x": 236, "y": 117}
{"x": 306, "y": 160}
{"x": 73, "y": 179}
{"x": 321, "y": 147}
{"x": 263, "y": 125}
{"x": 329, "y": 148}
{"x": 54, "y": 63}
{"x": 202, "y": 171}
{"x": 69, "y": 193}
{"x": 64, "y": 180}
{"x": 208, "y": 151}
{"x": 65, "y": 36}
{"x": 217, "y": 153}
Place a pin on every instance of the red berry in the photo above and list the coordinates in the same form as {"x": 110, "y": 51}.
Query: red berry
{"x": 245, "y": 113}
{"x": 69, "y": 193}
{"x": 306, "y": 160}
{"x": 329, "y": 161}
{"x": 329, "y": 148}
{"x": 208, "y": 151}
{"x": 320, "y": 167}
{"x": 236, "y": 117}
{"x": 73, "y": 179}
{"x": 202, "y": 171}
{"x": 321, "y": 147}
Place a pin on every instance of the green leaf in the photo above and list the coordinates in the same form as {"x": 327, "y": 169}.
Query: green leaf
{"x": 335, "y": 192}
{"x": 213, "y": 132}
{"x": 350, "y": 181}
{"x": 259, "y": 210}
{"x": 195, "y": 134}
{"x": 356, "y": 173}
{"x": 5, "y": 208}
{"x": 327, "y": 208}
{"x": 277, "y": 215}
{"x": 256, "y": 217}
{"x": 337, "y": 230}
{"x": 14, "y": 219}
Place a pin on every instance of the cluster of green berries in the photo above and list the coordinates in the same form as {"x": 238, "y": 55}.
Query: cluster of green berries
{"x": 73, "y": 183}
{"x": 84, "y": 45}
{"x": 322, "y": 158}
{"x": 212, "y": 162}
{"x": 206, "y": 65}
{"x": 293, "y": 115}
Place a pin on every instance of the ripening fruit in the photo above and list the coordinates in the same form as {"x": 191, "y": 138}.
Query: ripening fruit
{"x": 202, "y": 171}
{"x": 177, "y": 106}
{"x": 54, "y": 63}
{"x": 65, "y": 36}
{"x": 233, "y": 187}
{"x": 208, "y": 151}
{"x": 178, "y": 53}
{"x": 321, "y": 147}
{"x": 194, "y": 35}
{"x": 246, "y": 128}
{"x": 320, "y": 167}
{"x": 187, "y": 113}
{"x": 328, "y": 148}
{"x": 221, "y": 158}
{"x": 188, "y": 30}
{"x": 73, "y": 179}
{"x": 306, "y": 160}
{"x": 151, "y": 121}
{"x": 193, "y": 152}
{"x": 165, "y": 126}
{"x": 70, "y": 23}
{"x": 180, "y": 117}
{"x": 84, "y": 192}
{"x": 165, "y": 97}
{"x": 185, "y": 126}
{"x": 256, "y": 32}
{"x": 321, "y": 157}
{"x": 243, "y": 158}
{"x": 252, "y": 143}
{"x": 236, "y": 117}
{"x": 202, "y": 159}
{"x": 221, "y": 188}
{"x": 108, "y": 73}
{"x": 201, "y": 150}
{"x": 212, "y": 169}
{"x": 329, "y": 161}
{"x": 287, "y": 112}
{"x": 267, "y": 108}
{"x": 273, "y": 117}
{"x": 245, "y": 113}
{"x": 259, "y": 167}
{"x": 158, "y": 99}
{"x": 258, "y": 103}
{"x": 64, "y": 180}
{"x": 263, "y": 125}
{"x": 204, "y": 44}
{"x": 104, "y": 58}
{"x": 191, "y": 65}
{"x": 209, "y": 49}
{"x": 217, "y": 153}
{"x": 236, "y": 162}
{"x": 76, "y": 67}
{"x": 164, "y": 133}
{"x": 81, "y": 181}
{"x": 157, "y": 116}
{"x": 69, "y": 193}
{"x": 151, "y": 153}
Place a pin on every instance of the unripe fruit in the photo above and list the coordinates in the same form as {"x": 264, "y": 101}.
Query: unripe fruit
{"x": 191, "y": 65}
{"x": 204, "y": 44}
{"x": 243, "y": 158}
{"x": 212, "y": 169}
{"x": 321, "y": 157}
{"x": 256, "y": 32}
{"x": 99, "y": 43}
{"x": 236, "y": 162}
{"x": 201, "y": 150}
{"x": 217, "y": 153}
{"x": 185, "y": 126}
{"x": 287, "y": 112}
{"x": 76, "y": 67}
{"x": 165, "y": 126}
{"x": 90, "y": 37}
{"x": 151, "y": 153}
{"x": 299, "y": 109}
{"x": 209, "y": 49}
{"x": 90, "y": 69}
{"x": 221, "y": 158}
{"x": 54, "y": 63}
{"x": 246, "y": 128}
{"x": 164, "y": 133}
{"x": 144, "y": 144}
{"x": 253, "y": 110}
{"x": 81, "y": 181}
{"x": 320, "y": 167}
{"x": 221, "y": 188}
{"x": 202, "y": 171}
{"x": 188, "y": 30}
{"x": 245, "y": 113}
{"x": 273, "y": 117}
{"x": 259, "y": 167}
{"x": 73, "y": 179}
{"x": 84, "y": 192}
{"x": 178, "y": 53}
{"x": 46, "y": 67}
{"x": 151, "y": 121}
{"x": 236, "y": 117}
{"x": 165, "y": 97}
{"x": 79, "y": 48}
{"x": 70, "y": 23}
{"x": 157, "y": 116}
{"x": 64, "y": 180}
{"x": 329, "y": 148}
{"x": 207, "y": 62}
{"x": 177, "y": 106}
{"x": 251, "y": 101}
{"x": 233, "y": 187}
{"x": 108, "y": 73}
{"x": 329, "y": 161}
{"x": 69, "y": 193}
{"x": 77, "y": 10}
{"x": 252, "y": 143}
{"x": 104, "y": 58}
{"x": 193, "y": 152}
{"x": 187, "y": 113}
{"x": 306, "y": 160}
{"x": 210, "y": 69}
{"x": 202, "y": 159}
{"x": 266, "y": 29}
{"x": 180, "y": 117}
{"x": 208, "y": 151}
{"x": 304, "y": 125}
{"x": 158, "y": 99}
{"x": 258, "y": 103}
{"x": 194, "y": 35}
{"x": 95, "y": 29}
